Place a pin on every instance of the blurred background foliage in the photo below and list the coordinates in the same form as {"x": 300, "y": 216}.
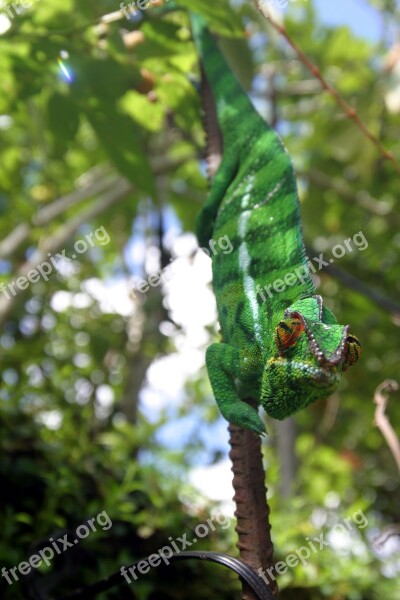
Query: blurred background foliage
{"x": 104, "y": 399}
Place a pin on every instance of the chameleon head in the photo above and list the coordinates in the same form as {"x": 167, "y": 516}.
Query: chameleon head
{"x": 312, "y": 351}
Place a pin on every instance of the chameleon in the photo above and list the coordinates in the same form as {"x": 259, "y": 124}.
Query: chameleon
{"x": 286, "y": 347}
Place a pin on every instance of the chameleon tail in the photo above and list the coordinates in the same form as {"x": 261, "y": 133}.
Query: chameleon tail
{"x": 230, "y": 99}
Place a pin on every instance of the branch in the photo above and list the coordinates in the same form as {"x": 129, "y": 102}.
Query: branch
{"x": 307, "y": 87}
{"x": 45, "y": 215}
{"x": 349, "y": 110}
{"x": 214, "y": 140}
{"x": 14, "y": 239}
{"x": 362, "y": 197}
{"x": 59, "y": 239}
{"x": 359, "y": 286}
{"x": 388, "y": 532}
{"x": 64, "y": 233}
{"x": 330, "y": 414}
{"x": 252, "y": 510}
{"x": 382, "y": 421}
{"x": 93, "y": 185}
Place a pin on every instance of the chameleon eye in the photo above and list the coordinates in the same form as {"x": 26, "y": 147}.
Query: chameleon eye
{"x": 287, "y": 334}
{"x": 352, "y": 351}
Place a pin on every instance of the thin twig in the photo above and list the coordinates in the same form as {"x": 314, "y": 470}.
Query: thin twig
{"x": 344, "y": 190}
{"x": 330, "y": 414}
{"x": 349, "y": 110}
{"x": 359, "y": 286}
{"x": 381, "y": 420}
{"x": 388, "y": 532}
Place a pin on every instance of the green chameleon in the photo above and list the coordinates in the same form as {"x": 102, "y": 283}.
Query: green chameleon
{"x": 286, "y": 347}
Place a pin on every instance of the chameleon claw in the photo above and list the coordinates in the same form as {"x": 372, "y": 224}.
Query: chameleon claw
{"x": 258, "y": 428}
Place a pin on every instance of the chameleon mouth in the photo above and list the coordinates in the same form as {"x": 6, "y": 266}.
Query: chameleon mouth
{"x": 323, "y": 375}
{"x": 290, "y": 385}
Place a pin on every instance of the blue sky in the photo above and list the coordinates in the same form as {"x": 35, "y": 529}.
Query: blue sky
{"x": 361, "y": 17}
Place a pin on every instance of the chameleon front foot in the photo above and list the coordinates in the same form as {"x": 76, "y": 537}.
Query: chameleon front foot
{"x": 243, "y": 415}
{"x": 226, "y": 364}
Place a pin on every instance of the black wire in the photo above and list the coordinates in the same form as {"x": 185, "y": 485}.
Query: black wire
{"x": 245, "y": 572}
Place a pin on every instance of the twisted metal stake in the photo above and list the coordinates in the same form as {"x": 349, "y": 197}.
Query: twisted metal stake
{"x": 256, "y": 585}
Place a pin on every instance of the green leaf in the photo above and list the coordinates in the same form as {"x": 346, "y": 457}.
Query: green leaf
{"x": 63, "y": 120}
{"x": 122, "y": 140}
{"x": 162, "y": 40}
{"x": 219, "y": 15}
{"x": 149, "y": 115}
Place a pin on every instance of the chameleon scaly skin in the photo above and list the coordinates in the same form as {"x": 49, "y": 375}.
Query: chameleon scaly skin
{"x": 286, "y": 347}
